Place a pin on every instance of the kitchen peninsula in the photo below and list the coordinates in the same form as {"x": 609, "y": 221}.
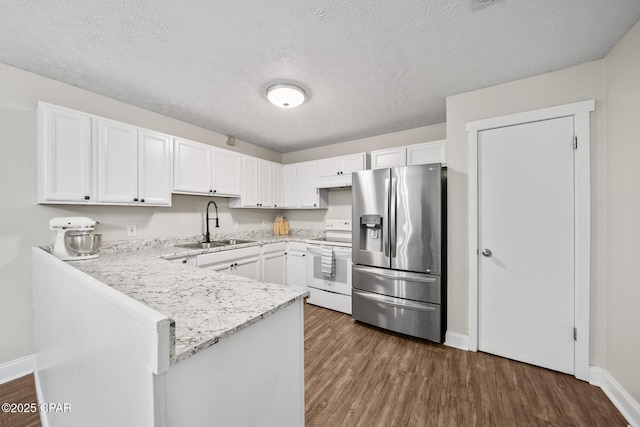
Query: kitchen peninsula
{"x": 133, "y": 339}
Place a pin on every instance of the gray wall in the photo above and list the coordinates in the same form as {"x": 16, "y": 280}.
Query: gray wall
{"x": 622, "y": 85}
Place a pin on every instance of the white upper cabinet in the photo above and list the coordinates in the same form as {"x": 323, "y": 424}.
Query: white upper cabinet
{"x": 64, "y": 156}
{"x": 430, "y": 152}
{"x": 309, "y": 197}
{"x": 203, "y": 169}
{"x": 257, "y": 184}
{"x": 117, "y": 162}
{"x": 134, "y": 165}
{"x": 388, "y": 158}
{"x": 299, "y": 187}
{"x": 418, "y": 154}
{"x": 154, "y": 168}
{"x": 289, "y": 186}
{"x": 278, "y": 186}
{"x": 192, "y": 167}
{"x": 336, "y": 171}
{"x": 227, "y": 167}
{"x": 85, "y": 159}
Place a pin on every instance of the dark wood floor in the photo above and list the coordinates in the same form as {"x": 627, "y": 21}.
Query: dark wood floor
{"x": 22, "y": 390}
{"x": 357, "y": 375}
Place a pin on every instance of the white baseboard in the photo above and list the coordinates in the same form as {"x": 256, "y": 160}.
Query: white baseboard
{"x": 16, "y": 368}
{"x": 456, "y": 340}
{"x": 628, "y": 407}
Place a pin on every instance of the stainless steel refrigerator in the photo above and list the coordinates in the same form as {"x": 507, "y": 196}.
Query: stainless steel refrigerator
{"x": 398, "y": 250}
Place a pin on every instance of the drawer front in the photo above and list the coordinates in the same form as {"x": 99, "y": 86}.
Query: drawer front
{"x": 414, "y": 318}
{"x": 399, "y": 284}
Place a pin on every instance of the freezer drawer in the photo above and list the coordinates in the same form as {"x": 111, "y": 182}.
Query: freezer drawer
{"x": 413, "y": 318}
{"x": 400, "y": 284}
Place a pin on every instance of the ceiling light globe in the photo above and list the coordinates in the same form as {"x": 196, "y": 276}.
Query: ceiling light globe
{"x": 285, "y": 95}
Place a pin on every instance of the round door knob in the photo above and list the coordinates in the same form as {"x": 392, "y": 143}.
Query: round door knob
{"x": 487, "y": 252}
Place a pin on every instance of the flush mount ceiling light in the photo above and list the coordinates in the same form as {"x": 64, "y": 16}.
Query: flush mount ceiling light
{"x": 285, "y": 95}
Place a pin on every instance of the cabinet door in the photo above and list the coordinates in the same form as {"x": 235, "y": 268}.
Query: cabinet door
{"x": 117, "y": 162}
{"x": 274, "y": 267}
{"x": 307, "y": 191}
{"x": 248, "y": 267}
{"x": 154, "y": 168}
{"x": 388, "y": 158}
{"x": 227, "y": 166}
{"x": 430, "y": 152}
{"x": 250, "y": 187}
{"x": 296, "y": 269}
{"x": 192, "y": 167}
{"x": 289, "y": 186}
{"x": 64, "y": 155}
{"x": 265, "y": 184}
{"x": 329, "y": 168}
{"x": 278, "y": 200}
{"x": 354, "y": 163}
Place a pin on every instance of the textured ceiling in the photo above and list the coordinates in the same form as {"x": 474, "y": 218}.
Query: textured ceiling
{"x": 370, "y": 67}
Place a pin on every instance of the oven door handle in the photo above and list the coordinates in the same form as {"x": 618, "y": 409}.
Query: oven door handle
{"x": 395, "y": 302}
{"x": 394, "y": 277}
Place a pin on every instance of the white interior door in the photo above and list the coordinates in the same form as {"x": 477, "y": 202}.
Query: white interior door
{"x": 526, "y": 221}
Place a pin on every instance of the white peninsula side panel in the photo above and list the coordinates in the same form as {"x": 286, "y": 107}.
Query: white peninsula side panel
{"x": 252, "y": 378}
{"x": 96, "y": 349}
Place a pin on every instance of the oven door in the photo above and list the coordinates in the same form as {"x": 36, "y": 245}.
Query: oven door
{"x": 341, "y": 281}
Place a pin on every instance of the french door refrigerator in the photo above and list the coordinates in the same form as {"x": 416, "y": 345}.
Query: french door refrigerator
{"x": 398, "y": 249}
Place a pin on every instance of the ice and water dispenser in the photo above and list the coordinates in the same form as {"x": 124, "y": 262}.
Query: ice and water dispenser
{"x": 371, "y": 233}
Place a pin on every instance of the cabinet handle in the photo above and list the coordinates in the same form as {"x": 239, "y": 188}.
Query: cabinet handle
{"x": 184, "y": 261}
{"x": 210, "y": 191}
{"x": 275, "y": 206}
{"x": 304, "y": 254}
{"x": 142, "y": 200}
{"x": 87, "y": 197}
{"x": 215, "y": 191}
{"x": 135, "y": 199}
{"x": 235, "y": 265}
{"x": 314, "y": 204}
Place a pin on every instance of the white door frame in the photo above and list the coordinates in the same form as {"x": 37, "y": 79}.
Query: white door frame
{"x": 582, "y": 194}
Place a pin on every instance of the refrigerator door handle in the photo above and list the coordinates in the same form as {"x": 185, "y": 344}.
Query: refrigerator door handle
{"x": 393, "y": 226}
{"x": 395, "y": 302}
{"x": 393, "y": 276}
{"x": 385, "y": 223}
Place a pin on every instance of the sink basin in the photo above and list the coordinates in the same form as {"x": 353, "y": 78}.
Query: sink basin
{"x": 234, "y": 241}
{"x": 201, "y": 245}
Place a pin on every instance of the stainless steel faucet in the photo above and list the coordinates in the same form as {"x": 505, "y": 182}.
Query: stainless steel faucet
{"x": 207, "y": 236}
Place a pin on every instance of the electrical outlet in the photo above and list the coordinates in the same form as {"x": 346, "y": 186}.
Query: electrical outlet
{"x": 131, "y": 230}
{"x": 264, "y": 223}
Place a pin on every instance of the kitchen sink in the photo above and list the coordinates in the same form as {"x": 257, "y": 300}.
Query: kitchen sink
{"x": 201, "y": 245}
{"x": 234, "y": 241}
{"x": 214, "y": 244}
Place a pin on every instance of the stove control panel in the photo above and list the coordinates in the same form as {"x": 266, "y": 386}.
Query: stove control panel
{"x": 338, "y": 224}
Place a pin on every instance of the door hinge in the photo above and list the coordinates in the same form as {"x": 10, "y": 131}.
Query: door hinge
{"x": 575, "y": 142}
{"x": 575, "y": 334}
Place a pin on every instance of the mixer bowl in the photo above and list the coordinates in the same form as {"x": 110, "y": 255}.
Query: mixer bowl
{"x": 84, "y": 243}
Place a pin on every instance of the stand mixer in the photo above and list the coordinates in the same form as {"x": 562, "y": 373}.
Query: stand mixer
{"x": 75, "y": 240}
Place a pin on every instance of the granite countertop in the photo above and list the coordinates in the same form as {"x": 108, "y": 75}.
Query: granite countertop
{"x": 204, "y": 306}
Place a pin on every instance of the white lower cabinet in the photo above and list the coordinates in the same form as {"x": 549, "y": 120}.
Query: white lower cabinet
{"x": 274, "y": 263}
{"x": 282, "y": 263}
{"x": 244, "y": 262}
{"x": 296, "y": 264}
